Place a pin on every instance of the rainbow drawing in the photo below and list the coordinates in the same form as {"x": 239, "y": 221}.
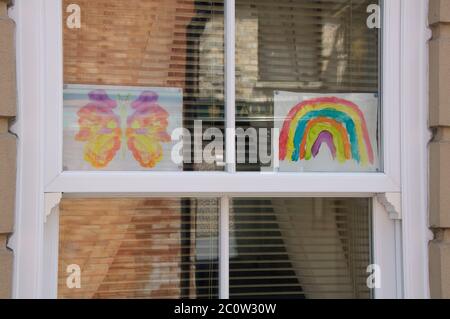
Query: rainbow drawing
{"x": 335, "y": 122}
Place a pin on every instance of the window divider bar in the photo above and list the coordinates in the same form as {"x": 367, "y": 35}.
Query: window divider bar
{"x": 230, "y": 85}
{"x": 224, "y": 248}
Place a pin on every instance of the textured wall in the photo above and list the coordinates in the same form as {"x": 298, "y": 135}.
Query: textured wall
{"x": 440, "y": 148}
{"x": 7, "y": 146}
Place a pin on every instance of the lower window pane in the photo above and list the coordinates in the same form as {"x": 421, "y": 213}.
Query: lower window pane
{"x": 138, "y": 248}
{"x": 300, "y": 248}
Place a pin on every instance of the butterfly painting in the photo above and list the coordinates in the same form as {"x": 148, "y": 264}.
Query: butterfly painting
{"x": 119, "y": 128}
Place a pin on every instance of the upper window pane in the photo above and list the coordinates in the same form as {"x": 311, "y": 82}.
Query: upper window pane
{"x": 134, "y": 73}
{"x": 311, "y": 70}
{"x": 144, "y": 85}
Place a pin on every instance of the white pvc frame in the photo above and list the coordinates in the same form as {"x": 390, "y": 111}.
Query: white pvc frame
{"x": 399, "y": 247}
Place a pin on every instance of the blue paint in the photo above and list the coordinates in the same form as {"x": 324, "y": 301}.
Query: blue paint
{"x": 333, "y": 114}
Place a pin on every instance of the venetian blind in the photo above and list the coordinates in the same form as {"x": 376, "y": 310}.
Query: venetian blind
{"x": 299, "y": 248}
{"x": 320, "y": 45}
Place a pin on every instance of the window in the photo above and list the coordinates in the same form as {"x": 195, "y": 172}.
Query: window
{"x": 223, "y": 101}
{"x": 211, "y": 74}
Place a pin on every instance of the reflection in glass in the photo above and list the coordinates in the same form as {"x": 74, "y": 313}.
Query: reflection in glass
{"x": 300, "y": 248}
{"x": 139, "y": 248}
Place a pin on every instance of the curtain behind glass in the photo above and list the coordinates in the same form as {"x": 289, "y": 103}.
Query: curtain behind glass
{"x": 139, "y": 248}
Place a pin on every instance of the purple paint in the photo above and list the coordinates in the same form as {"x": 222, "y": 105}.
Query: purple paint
{"x": 101, "y": 98}
{"x": 324, "y": 137}
{"x": 145, "y": 100}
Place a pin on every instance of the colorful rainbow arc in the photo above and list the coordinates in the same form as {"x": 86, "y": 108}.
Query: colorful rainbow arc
{"x": 338, "y": 123}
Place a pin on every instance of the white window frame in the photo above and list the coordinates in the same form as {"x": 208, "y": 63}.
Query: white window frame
{"x": 399, "y": 222}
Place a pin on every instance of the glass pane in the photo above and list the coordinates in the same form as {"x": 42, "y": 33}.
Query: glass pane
{"x": 309, "y": 69}
{"x": 138, "y": 75}
{"x": 300, "y": 248}
{"x": 138, "y": 248}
